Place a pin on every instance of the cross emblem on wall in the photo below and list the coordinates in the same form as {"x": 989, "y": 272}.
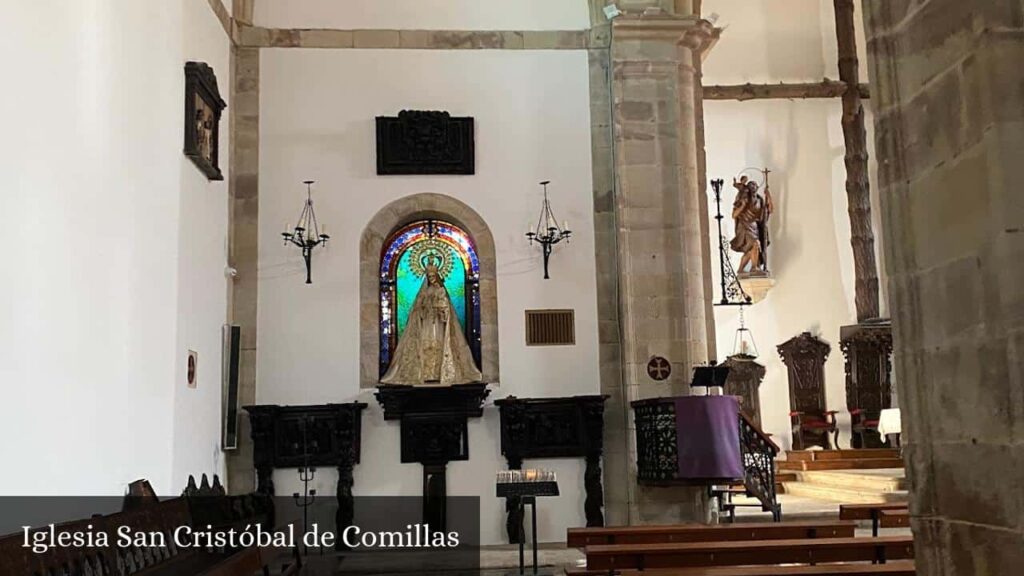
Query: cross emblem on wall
{"x": 659, "y": 368}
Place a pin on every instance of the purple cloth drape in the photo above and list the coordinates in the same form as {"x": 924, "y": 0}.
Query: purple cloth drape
{"x": 708, "y": 437}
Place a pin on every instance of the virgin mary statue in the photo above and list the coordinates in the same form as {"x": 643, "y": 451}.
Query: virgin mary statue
{"x": 433, "y": 350}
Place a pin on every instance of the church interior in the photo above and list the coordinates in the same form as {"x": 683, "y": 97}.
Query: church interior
{"x": 686, "y": 287}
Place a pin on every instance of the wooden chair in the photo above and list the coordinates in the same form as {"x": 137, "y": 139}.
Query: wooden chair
{"x": 867, "y": 350}
{"x": 811, "y": 421}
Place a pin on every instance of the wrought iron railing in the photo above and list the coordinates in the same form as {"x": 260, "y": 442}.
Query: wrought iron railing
{"x": 758, "y": 453}
{"x": 656, "y": 449}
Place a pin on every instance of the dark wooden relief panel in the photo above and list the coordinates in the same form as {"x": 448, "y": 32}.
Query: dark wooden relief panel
{"x": 425, "y": 142}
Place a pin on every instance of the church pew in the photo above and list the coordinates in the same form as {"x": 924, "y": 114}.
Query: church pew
{"x": 894, "y": 518}
{"x": 582, "y": 537}
{"x": 151, "y": 516}
{"x": 650, "y": 556}
{"x": 897, "y": 568}
{"x": 871, "y": 512}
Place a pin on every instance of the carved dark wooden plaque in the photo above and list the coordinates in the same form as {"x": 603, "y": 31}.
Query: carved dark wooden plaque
{"x": 203, "y": 107}
{"x": 424, "y": 142}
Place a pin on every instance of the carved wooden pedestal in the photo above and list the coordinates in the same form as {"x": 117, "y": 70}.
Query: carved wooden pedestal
{"x": 867, "y": 349}
{"x": 296, "y": 436}
{"x": 745, "y": 377}
{"x": 571, "y": 427}
{"x": 435, "y": 431}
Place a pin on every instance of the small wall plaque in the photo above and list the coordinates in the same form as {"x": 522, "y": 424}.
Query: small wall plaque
{"x": 193, "y": 362}
{"x": 203, "y": 107}
{"x": 424, "y": 142}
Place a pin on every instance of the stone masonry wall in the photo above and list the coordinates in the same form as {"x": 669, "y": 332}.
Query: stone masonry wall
{"x": 949, "y": 117}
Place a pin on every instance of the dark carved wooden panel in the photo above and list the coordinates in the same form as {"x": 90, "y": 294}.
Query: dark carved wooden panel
{"x": 424, "y": 142}
{"x": 568, "y": 427}
{"x": 805, "y": 356}
{"x": 745, "y": 377}
{"x": 867, "y": 350}
{"x": 203, "y": 108}
{"x": 435, "y": 431}
{"x": 295, "y": 436}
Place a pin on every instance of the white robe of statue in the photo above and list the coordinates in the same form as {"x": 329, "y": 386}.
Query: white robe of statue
{"x": 433, "y": 350}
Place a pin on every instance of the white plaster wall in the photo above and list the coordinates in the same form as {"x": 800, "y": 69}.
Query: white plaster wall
{"x": 94, "y": 185}
{"x": 203, "y": 287}
{"x": 802, "y": 141}
{"x": 532, "y": 123}
{"x": 424, "y": 14}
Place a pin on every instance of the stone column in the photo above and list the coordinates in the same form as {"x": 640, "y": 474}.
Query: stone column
{"x": 243, "y": 230}
{"x": 662, "y": 300}
{"x": 948, "y": 96}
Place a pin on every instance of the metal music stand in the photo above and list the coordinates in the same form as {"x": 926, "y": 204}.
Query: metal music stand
{"x": 527, "y": 493}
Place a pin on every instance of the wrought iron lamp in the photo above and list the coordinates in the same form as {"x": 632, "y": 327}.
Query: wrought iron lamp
{"x": 307, "y": 233}
{"x": 547, "y": 232}
{"x": 743, "y": 345}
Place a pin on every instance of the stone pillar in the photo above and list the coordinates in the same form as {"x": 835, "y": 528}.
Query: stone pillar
{"x": 243, "y": 254}
{"x": 948, "y": 97}
{"x": 658, "y": 225}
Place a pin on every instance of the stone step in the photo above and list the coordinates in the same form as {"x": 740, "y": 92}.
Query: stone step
{"x": 840, "y": 464}
{"x": 844, "y": 495}
{"x": 861, "y": 454}
{"x": 894, "y": 482}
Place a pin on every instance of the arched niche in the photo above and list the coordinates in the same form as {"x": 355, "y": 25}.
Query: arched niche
{"x": 394, "y": 216}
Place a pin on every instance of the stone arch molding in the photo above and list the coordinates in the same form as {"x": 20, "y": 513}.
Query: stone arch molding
{"x": 387, "y": 220}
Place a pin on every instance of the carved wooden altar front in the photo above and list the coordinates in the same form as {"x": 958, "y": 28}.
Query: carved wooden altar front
{"x": 570, "y": 427}
{"x": 812, "y": 422}
{"x": 434, "y": 432}
{"x": 300, "y": 436}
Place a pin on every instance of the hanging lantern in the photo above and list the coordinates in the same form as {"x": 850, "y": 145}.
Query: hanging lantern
{"x": 744, "y": 345}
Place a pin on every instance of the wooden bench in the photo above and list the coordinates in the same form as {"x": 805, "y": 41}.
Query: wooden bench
{"x": 894, "y": 518}
{"x": 755, "y": 552}
{"x": 871, "y": 512}
{"x": 897, "y": 568}
{"x": 582, "y": 537}
{"x": 151, "y": 516}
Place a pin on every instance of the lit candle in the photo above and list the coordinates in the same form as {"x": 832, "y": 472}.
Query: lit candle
{"x": 565, "y": 224}
{"x": 323, "y": 230}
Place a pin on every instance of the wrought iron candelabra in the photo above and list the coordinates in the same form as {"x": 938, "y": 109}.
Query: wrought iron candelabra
{"x": 306, "y": 475}
{"x": 307, "y": 233}
{"x": 732, "y": 291}
{"x": 547, "y": 232}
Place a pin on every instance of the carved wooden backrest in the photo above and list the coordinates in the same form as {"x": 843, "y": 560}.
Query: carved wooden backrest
{"x": 745, "y": 377}
{"x": 867, "y": 351}
{"x": 804, "y": 357}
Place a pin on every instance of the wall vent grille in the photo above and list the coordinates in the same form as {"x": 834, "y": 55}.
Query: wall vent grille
{"x": 550, "y": 328}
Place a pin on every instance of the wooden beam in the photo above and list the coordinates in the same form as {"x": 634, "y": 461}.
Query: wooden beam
{"x": 741, "y": 92}
{"x": 858, "y": 189}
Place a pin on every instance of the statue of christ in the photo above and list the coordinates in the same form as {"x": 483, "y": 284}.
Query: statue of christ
{"x": 433, "y": 350}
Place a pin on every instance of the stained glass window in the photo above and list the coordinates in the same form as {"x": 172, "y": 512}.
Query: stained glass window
{"x": 403, "y": 260}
